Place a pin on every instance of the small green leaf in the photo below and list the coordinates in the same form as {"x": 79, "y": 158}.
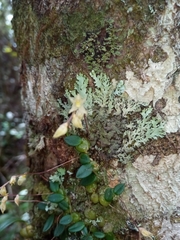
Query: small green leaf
{"x": 84, "y": 158}
{"x": 83, "y": 147}
{"x": 6, "y": 220}
{"x": 118, "y": 189}
{"x": 88, "y": 180}
{"x": 42, "y": 205}
{"x": 87, "y": 237}
{"x": 54, "y": 186}
{"x": 110, "y": 236}
{"x": 63, "y": 205}
{"x": 65, "y": 220}
{"x": 84, "y": 231}
{"x": 59, "y": 230}
{"x": 76, "y": 227}
{"x": 109, "y": 194}
{"x": 84, "y": 171}
{"x": 48, "y": 223}
{"x": 99, "y": 234}
{"x": 55, "y": 198}
{"x": 73, "y": 140}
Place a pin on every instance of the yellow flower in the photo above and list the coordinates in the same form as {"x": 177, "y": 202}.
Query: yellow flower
{"x": 62, "y": 129}
{"x": 12, "y": 180}
{"x": 81, "y": 112}
{"x": 3, "y": 204}
{"x": 21, "y": 179}
{"x": 77, "y": 102}
{"x": 145, "y": 233}
{"x": 17, "y": 200}
{"x": 76, "y": 121}
{"x": 3, "y": 191}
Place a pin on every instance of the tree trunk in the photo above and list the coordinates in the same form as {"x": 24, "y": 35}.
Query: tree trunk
{"x": 136, "y": 41}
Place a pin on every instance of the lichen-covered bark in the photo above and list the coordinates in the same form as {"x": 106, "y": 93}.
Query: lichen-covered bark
{"x": 137, "y": 41}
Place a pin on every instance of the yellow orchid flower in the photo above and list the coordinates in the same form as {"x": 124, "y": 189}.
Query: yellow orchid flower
{"x": 81, "y": 112}
{"x": 12, "y": 180}
{"x": 21, "y": 179}
{"x": 76, "y": 121}
{"x": 3, "y": 204}
{"x": 17, "y": 200}
{"x": 3, "y": 191}
{"x": 62, "y": 130}
{"x": 77, "y": 102}
{"x": 145, "y": 233}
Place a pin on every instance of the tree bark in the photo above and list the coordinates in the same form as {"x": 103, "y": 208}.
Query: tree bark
{"x": 53, "y": 40}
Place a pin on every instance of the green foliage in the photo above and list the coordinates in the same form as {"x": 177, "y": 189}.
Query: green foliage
{"x": 84, "y": 171}
{"x": 84, "y": 158}
{"x": 63, "y": 205}
{"x": 88, "y": 180}
{"x": 99, "y": 234}
{"x": 117, "y": 123}
{"x": 85, "y": 186}
{"x": 49, "y": 222}
{"x": 65, "y": 220}
{"x": 6, "y": 221}
{"x": 54, "y": 186}
{"x": 76, "y": 227}
{"x": 55, "y": 198}
{"x": 72, "y": 140}
{"x": 109, "y": 194}
{"x": 118, "y": 189}
{"x": 59, "y": 230}
{"x": 83, "y": 147}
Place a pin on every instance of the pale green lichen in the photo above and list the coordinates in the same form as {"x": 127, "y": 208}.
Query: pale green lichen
{"x": 58, "y": 176}
{"x": 117, "y": 124}
{"x": 98, "y": 47}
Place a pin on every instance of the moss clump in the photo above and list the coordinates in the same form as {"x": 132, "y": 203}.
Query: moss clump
{"x": 98, "y": 47}
{"x": 42, "y": 34}
{"x": 53, "y": 33}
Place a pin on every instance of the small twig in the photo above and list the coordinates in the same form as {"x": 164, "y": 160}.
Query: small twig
{"x": 85, "y": 119}
{"x": 40, "y": 173}
{"x": 51, "y": 169}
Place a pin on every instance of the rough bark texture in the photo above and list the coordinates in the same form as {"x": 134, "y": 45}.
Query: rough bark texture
{"x": 50, "y": 37}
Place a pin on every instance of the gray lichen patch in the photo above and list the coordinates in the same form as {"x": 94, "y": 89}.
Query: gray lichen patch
{"x": 116, "y": 124}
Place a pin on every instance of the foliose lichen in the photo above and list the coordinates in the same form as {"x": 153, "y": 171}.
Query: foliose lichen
{"x": 117, "y": 124}
{"x": 100, "y": 46}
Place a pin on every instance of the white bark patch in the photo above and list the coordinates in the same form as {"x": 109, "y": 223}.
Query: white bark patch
{"x": 156, "y": 81}
{"x": 38, "y": 99}
{"x": 157, "y": 78}
{"x": 154, "y": 191}
{"x": 172, "y": 109}
{"x": 169, "y": 230}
